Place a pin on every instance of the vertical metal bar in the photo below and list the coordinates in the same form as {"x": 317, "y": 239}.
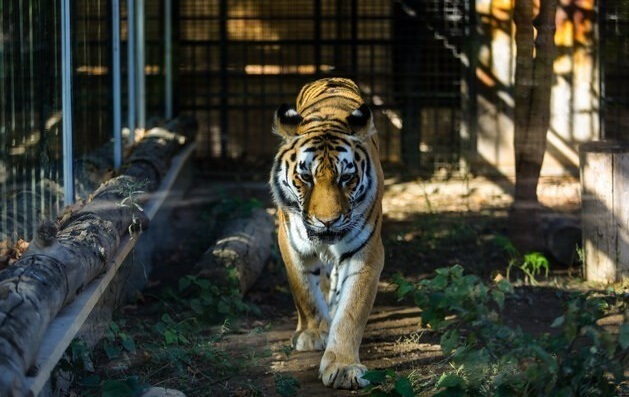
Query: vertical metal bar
{"x": 35, "y": 206}
{"x": 602, "y": 51}
{"x": 140, "y": 63}
{"x": 224, "y": 78}
{"x": 317, "y": 37}
{"x": 168, "y": 61}
{"x": 4, "y": 163}
{"x": 354, "y": 38}
{"x": 339, "y": 28}
{"x": 66, "y": 102}
{"x": 131, "y": 69}
{"x": 117, "y": 85}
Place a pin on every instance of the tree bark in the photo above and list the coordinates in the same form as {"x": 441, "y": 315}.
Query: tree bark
{"x": 534, "y": 40}
{"x": 62, "y": 260}
{"x": 245, "y": 246}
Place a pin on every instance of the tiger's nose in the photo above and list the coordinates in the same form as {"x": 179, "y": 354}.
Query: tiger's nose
{"x": 329, "y": 221}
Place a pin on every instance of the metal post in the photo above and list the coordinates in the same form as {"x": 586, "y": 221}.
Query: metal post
{"x": 602, "y": 32}
{"x": 224, "y": 78}
{"x": 140, "y": 64}
{"x": 66, "y": 103}
{"x": 117, "y": 86}
{"x": 131, "y": 68}
{"x": 317, "y": 37}
{"x": 354, "y": 38}
{"x": 168, "y": 62}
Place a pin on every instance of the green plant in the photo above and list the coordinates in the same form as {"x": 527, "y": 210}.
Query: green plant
{"x": 78, "y": 361}
{"x": 532, "y": 264}
{"x": 124, "y": 387}
{"x": 286, "y": 385}
{"x": 491, "y": 358}
{"x": 183, "y": 341}
{"x": 387, "y": 383}
{"x": 580, "y": 254}
{"x": 76, "y": 358}
{"x": 209, "y": 302}
{"x": 116, "y": 341}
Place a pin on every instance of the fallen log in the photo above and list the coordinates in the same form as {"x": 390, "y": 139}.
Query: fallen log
{"x": 64, "y": 258}
{"x": 245, "y": 246}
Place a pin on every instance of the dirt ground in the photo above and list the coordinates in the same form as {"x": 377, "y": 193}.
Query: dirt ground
{"x": 428, "y": 225}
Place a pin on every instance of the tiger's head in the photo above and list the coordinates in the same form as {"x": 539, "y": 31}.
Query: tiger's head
{"x": 323, "y": 172}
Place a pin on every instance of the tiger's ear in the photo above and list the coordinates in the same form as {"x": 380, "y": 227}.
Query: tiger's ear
{"x": 285, "y": 121}
{"x": 361, "y": 121}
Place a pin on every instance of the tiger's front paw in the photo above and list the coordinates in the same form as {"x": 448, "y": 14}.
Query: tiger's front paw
{"x": 340, "y": 375}
{"x": 310, "y": 339}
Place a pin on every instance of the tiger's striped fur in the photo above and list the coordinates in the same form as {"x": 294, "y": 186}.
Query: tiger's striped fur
{"x": 327, "y": 182}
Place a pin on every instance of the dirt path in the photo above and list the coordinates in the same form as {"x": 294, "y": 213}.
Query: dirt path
{"x": 417, "y": 215}
{"x": 427, "y": 226}
{"x": 391, "y": 341}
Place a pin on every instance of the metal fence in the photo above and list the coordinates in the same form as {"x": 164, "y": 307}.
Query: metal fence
{"x": 30, "y": 104}
{"x": 239, "y": 60}
{"x": 235, "y": 61}
{"x": 33, "y": 158}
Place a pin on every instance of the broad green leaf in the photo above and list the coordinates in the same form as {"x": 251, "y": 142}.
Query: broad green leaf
{"x": 112, "y": 351}
{"x": 170, "y": 337}
{"x": 404, "y": 288}
{"x": 403, "y": 387}
{"x": 505, "y": 286}
{"x": 127, "y": 342}
{"x": 184, "y": 283}
{"x": 559, "y": 321}
{"x": 498, "y": 297}
{"x": 114, "y": 327}
{"x": 196, "y": 306}
{"x": 376, "y": 377}
{"x": 439, "y": 282}
{"x": 449, "y": 341}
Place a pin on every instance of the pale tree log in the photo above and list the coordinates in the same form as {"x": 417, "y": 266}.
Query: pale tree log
{"x": 535, "y": 47}
{"x": 245, "y": 245}
{"x": 64, "y": 258}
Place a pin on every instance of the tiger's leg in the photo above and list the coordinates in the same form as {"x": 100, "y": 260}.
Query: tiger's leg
{"x": 312, "y": 311}
{"x": 357, "y": 283}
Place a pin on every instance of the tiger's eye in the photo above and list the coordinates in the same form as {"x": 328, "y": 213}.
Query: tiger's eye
{"x": 346, "y": 178}
{"x": 306, "y": 177}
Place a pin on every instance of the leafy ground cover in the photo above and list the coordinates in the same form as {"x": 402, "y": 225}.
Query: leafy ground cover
{"x": 477, "y": 334}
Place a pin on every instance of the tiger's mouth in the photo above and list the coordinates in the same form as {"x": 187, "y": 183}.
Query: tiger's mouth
{"x": 326, "y": 236}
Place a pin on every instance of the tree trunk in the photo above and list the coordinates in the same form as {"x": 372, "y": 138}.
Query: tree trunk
{"x": 533, "y": 83}
{"x": 245, "y": 246}
{"x": 58, "y": 264}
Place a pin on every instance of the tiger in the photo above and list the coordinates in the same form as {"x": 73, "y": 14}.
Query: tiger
{"x": 327, "y": 183}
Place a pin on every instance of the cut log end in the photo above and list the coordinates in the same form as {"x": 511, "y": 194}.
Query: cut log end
{"x": 245, "y": 246}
